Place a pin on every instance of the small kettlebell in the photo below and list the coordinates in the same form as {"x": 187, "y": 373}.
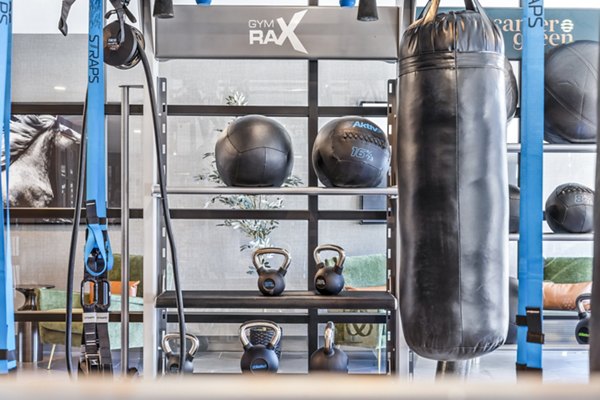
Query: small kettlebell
{"x": 582, "y": 330}
{"x": 173, "y": 358}
{"x": 271, "y": 282}
{"x": 259, "y": 358}
{"x": 329, "y": 358}
{"x": 329, "y": 279}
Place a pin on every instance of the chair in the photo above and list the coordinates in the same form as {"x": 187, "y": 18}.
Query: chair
{"x": 54, "y": 300}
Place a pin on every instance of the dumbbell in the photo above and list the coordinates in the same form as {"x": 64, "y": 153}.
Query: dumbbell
{"x": 259, "y": 358}
{"x": 271, "y": 282}
{"x": 329, "y": 358}
{"x": 173, "y": 358}
{"x": 328, "y": 278}
{"x": 582, "y": 330}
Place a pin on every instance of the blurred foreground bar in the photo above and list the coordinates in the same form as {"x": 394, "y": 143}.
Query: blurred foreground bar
{"x": 40, "y": 386}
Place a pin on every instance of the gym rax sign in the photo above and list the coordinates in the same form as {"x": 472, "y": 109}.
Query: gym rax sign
{"x": 272, "y": 32}
{"x": 262, "y": 32}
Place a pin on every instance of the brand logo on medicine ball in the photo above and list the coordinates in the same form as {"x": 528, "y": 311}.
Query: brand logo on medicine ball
{"x": 361, "y": 154}
{"x": 365, "y": 125}
{"x": 580, "y": 199}
{"x": 263, "y": 32}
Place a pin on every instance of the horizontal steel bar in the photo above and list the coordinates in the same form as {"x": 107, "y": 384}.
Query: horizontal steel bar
{"x": 293, "y": 299}
{"x": 182, "y": 110}
{"x": 278, "y": 191}
{"x": 560, "y": 237}
{"x": 58, "y": 316}
{"x": 281, "y": 318}
{"x": 17, "y": 214}
{"x": 70, "y": 108}
{"x": 301, "y": 215}
{"x": 557, "y": 148}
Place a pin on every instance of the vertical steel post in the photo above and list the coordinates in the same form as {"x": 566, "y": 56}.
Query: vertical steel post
{"x": 124, "y": 229}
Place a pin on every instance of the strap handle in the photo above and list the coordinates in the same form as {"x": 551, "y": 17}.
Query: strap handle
{"x": 431, "y": 10}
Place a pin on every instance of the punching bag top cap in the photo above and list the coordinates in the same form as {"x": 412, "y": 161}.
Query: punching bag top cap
{"x": 465, "y": 31}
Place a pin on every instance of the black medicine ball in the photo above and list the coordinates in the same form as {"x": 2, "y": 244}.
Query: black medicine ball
{"x": 513, "y": 205}
{"x": 571, "y": 93}
{"x": 351, "y": 152}
{"x": 254, "y": 151}
{"x": 569, "y": 209}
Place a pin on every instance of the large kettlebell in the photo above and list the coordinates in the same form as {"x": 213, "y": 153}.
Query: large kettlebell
{"x": 271, "y": 282}
{"x": 259, "y": 358}
{"x": 329, "y": 358}
{"x": 582, "y": 330}
{"x": 329, "y": 279}
{"x": 173, "y": 358}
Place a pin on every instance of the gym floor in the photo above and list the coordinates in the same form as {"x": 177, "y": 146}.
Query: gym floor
{"x": 562, "y": 364}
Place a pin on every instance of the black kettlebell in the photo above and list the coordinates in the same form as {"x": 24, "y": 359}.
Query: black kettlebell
{"x": 259, "y": 358}
{"x": 329, "y": 279}
{"x": 582, "y": 330}
{"x": 173, "y": 358}
{"x": 271, "y": 282}
{"x": 329, "y": 358}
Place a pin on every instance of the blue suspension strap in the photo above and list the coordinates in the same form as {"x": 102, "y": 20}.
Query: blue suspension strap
{"x": 531, "y": 267}
{"x": 7, "y": 316}
{"x": 98, "y": 258}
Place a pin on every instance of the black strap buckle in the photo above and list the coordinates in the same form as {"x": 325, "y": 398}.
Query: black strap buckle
{"x": 533, "y": 321}
{"x": 534, "y": 325}
{"x": 92, "y": 362}
{"x": 7, "y": 355}
{"x": 91, "y": 213}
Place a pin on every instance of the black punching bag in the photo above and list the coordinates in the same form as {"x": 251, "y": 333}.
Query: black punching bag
{"x": 453, "y": 185}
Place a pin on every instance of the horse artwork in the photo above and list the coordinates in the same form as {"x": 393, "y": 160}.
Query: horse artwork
{"x": 44, "y": 158}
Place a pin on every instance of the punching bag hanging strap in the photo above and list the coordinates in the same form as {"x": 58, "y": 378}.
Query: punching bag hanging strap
{"x": 98, "y": 257}
{"x": 7, "y": 318}
{"x": 531, "y": 267}
{"x": 431, "y": 9}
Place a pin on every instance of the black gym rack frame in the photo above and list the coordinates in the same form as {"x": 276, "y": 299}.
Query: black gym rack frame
{"x": 307, "y": 300}
{"x": 308, "y": 308}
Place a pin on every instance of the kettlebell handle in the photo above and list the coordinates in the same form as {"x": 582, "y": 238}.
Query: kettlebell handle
{"x": 339, "y": 264}
{"x": 272, "y": 250}
{"x": 329, "y": 338}
{"x": 579, "y": 302}
{"x": 260, "y": 324}
{"x": 166, "y": 340}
